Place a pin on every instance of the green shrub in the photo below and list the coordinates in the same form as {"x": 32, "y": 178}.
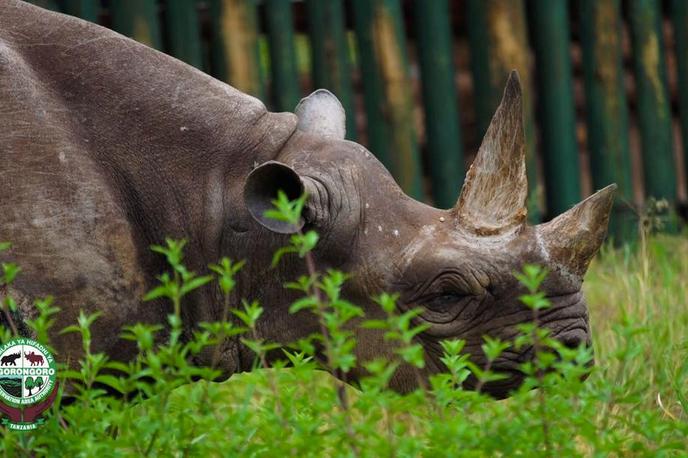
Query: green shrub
{"x": 633, "y": 403}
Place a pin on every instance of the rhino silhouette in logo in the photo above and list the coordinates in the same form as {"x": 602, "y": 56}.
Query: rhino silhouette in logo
{"x": 10, "y": 360}
{"x": 34, "y": 359}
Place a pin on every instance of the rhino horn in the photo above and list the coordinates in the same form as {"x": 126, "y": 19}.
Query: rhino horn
{"x": 572, "y": 238}
{"x": 494, "y": 193}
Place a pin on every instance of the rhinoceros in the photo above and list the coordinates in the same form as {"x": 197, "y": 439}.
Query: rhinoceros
{"x": 108, "y": 146}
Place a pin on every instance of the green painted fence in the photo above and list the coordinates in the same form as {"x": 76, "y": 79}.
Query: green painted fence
{"x": 400, "y": 72}
{"x": 383, "y": 51}
{"x": 137, "y": 19}
{"x": 235, "y": 51}
{"x": 607, "y": 109}
{"x": 498, "y": 37}
{"x": 442, "y": 125}
{"x": 549, "y": 24}
{"x": 331, "y": 61}
{"x": 654, "y": 112}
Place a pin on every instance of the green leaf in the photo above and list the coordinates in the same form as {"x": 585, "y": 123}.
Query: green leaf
{"x": 116, "y": 383}
{"x": 70, "y": 329}
{"x": 308, "y": 302}
{"x": 303, "y": 284}
{"x": 413, "y": 354}
{"x": 173, "y": 251}
{"x": 277, "y": 215}
{"x": 259, "y": 347}
{"x": 388, "y": 302}
{"x": 118, "y": 366}
{"x": 195, "y": 284}
{"x": 535, "y": 301}
{"x": 375, "y": 324}
{"x": 531, "y": 277}
{"x": 157, "y": 292}
{"x": 452, "y": 347}
{"x": 286, "y": 210}
{"x": 308, "y": 242}
{"x": 281, "y": 252}
{"x": 11, "y": 304}
{"x": 251, "y": 313}
{"x": 10, "y": 271}
{"x": 493, "y": 347}
{"x": 297, "y": 359}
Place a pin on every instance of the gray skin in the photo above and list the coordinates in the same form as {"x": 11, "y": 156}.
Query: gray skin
{"x": 108, "y": 146}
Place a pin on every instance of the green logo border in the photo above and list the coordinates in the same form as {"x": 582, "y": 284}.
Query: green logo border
{"x": 51, "y": 379}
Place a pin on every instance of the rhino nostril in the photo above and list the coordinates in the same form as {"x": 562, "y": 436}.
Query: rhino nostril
{"x": 572, "y": 342}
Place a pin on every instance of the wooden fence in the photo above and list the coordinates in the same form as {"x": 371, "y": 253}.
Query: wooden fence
{"x": 606, "y": 82}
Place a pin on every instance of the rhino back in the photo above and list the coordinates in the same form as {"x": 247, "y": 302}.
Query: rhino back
{"x": 107, "y": 146}
{"x": 69, "y": 231}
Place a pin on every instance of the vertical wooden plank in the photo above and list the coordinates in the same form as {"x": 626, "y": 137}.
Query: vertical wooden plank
{"x": 486, "y": 99}
{"x": 235, "y": 53}
{"x": 607, "y": 110}
{"x": 382, "y": 19}
{"x": 376, "y": 126}
{"x": 182, "y": 31}
{"x": 85, "y": 9}
{"x": 47, "y": 4}
{"x": 654, "y": 113}
{"x": 330, "y": 59}
{"x": 679, "y": 16}
{"x": 280, "y": 28}
{"x": 551, "y": 41}
{"x": 137, "y": 19}
{"x": 440, "y": 100}
{"x": 499, "y": 43}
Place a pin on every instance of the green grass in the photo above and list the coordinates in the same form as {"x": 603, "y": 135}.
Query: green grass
{"x": 641, "y": 300}
{"x": 633, "y": 403}
{"x": 639, "y": 313}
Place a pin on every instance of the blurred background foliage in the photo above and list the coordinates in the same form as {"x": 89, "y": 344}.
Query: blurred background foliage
{"x": 606, "y": 82}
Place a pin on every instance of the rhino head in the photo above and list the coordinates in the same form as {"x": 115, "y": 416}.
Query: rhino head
{"x": 458, "y": 264}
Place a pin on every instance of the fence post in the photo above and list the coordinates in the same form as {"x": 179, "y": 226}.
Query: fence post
{"x": 235, "y": 53}
{"x": 285, "y": 78}
{"x": 137, "y": 19}
{"x": 47, "y": 4}
{"x": 85, "y": 9}
{"x": 557, "y": 113}
{"x": 499, "y": 43}
{"x": 654, "y": 113}
{"x": 381, "y": 41}
{"x": 679, "y": 15}
{"x": 376, "y": 127}
{"x": 440, "y": 100}
{"x": 607, "y": 110}
{"x": 183, "y": 34}
{"x": 330, "y": 56}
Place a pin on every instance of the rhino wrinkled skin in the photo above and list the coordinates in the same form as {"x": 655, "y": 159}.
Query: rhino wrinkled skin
{"x": 108, "y": 146}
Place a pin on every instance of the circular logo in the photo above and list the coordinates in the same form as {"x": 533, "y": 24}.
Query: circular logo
{"x": 27, "y": 372}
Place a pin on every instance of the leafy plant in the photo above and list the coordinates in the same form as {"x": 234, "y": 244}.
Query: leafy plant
{"x": 633, "y": 402}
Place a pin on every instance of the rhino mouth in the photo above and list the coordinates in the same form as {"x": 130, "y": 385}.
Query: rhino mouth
{"x": 567, "y": 321}
{"x": 502, "y": 389}
{"x": 573, "y": 335}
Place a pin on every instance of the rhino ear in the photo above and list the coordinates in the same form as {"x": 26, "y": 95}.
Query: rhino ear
{"x": 261, "y": 188}
{"x": 321, "y": 113}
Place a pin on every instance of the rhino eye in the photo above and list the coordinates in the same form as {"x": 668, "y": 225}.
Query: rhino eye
{"x": 443, "y": 302}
